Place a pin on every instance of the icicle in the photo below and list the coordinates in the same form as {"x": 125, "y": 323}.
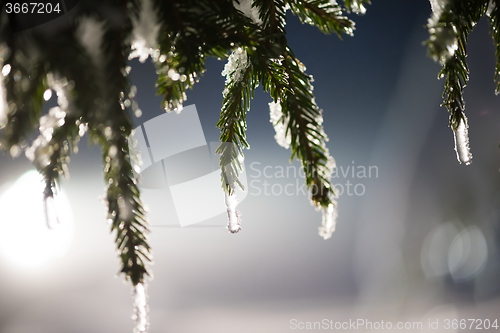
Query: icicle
{"x": 462, "y": 142}
{"x": 329, "y": 220}
{"x": 234, "y": 224}
{"x": 140, "y": 314}
{"x": 280, "y": 124}
{"x": 50, "y": 209}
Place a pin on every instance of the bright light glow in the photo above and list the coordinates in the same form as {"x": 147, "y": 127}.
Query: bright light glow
{"x": 6, "y": 70}
{"x": 47, "y": 94}
{"x": 435, "y": 249}
{"x": 25, "y": 238}
{"x": 468, "y": 254}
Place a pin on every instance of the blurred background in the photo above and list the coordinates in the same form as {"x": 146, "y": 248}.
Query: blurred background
{"x": 417, "y": 238}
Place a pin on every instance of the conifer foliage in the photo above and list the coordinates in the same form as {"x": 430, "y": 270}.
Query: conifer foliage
{"x": 83, "y": 56}
{"x": 449, "y": 27}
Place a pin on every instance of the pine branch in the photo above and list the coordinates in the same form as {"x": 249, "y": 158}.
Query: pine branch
{"x": 55, "y": 156}
{"x": 77, "y": 96}
{"x": 240, "y": 86}
{"x": 111, "y": 127}
{"x": 307, "y": 139}
{"x": 494, "y": 20}
{"x": 284, "y": 78}
{"x": 449, "y": 32}
{"x": 298, "y": 113}
{"x": 449, "y": 28}
{"x": 198, "y": 27}
{"x": 25, "y": 86}
{"x": 96, "y": 93}
{"x": 324, "y": 14}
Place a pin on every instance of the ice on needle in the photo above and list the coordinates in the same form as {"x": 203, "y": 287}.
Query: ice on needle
{"x": 280, "y": 123}
{"x": 233, "y": 215}
{"x": 462, "y": 142}
{"x": 328, "y": 222}
{"x": 140, "y": 315}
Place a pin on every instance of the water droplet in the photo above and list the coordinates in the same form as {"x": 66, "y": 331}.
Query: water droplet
{"x": 173, "y": 74}
{"x": 6, "y": 70}
{"x": 132, "y": 92}
{"x": 108, "y": 132}
{"x": 17, "y": 76}
{"x": 15, "y": 151}
{"x": 113, "y": 151}
{"x": 47, "y": 94}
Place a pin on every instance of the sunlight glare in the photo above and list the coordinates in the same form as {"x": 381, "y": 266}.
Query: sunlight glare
{"x": 25, "y": 238}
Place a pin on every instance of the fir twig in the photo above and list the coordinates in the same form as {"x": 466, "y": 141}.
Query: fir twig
{"x": 125, "y": 210}
{"x": 494, "y": 19}
{"x": 449, "y": 28}
{"x": 25, "y": 86}
{"x": 449, "y": 32}
{"x": 240, "y": 86}
{"x": 324, "y": 14}
{"x": 285, "y": 80}
{"x": 198, "y": 27}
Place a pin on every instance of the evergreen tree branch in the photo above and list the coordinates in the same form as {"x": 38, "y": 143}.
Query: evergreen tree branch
{"x": 494, "y": 20}
{"x": 25, "y": 86}
{"x": 241, "y": 82}
{"x": 111, "y": 127}
{"x": 79, "y": 93}
{"x": 307, "y": 139}
{"x": 449, "y": 27}
{"x": 324, "y": 14}
{"x": 197, "y": 27}
{"x": 449, "y": 32}
{"x": 284, "y": 78}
